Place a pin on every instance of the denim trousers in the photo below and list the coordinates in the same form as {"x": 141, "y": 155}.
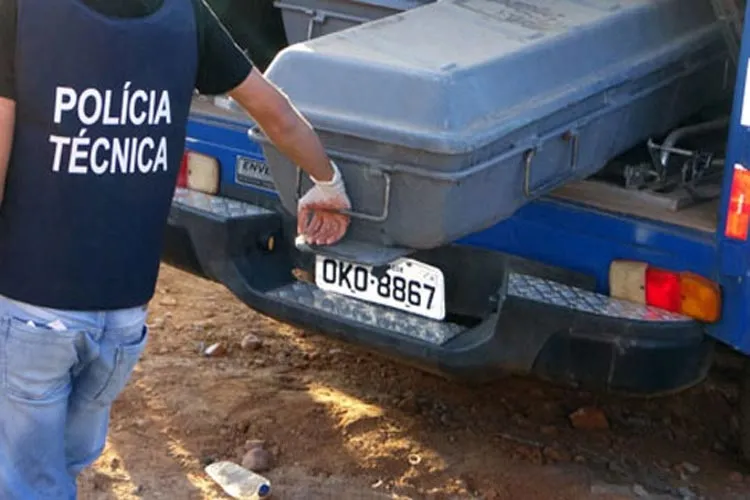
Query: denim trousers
{"x": 60, "y": 371}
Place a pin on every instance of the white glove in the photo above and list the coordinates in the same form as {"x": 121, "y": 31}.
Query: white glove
{"x": 319, "y": 217}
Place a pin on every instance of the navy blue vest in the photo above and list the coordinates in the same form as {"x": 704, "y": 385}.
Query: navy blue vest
{"x": 102, "y": 105}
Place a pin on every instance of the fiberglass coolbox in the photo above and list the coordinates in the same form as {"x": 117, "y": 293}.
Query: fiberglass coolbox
{"x": 447, "y": 118}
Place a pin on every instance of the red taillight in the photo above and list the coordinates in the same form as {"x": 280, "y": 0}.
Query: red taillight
{"x": 182, "y": 175}
{"x": 681, "y": 292}
{"x": 663, "y": 289}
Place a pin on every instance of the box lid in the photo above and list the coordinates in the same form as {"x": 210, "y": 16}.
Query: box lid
{"x": 453, "y": 76}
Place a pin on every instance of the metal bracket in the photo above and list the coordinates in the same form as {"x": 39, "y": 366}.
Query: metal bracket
{"x": 382, "y": 217}
{"x": 319, "y": 16}
{"x": 569, "y": 136}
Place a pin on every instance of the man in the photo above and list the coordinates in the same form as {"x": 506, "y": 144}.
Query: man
{"x": 94, "y": 97}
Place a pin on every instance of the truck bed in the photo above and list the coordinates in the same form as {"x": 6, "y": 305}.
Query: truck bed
{"x": 610, "y": 198}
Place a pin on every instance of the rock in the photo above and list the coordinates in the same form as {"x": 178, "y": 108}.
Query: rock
{"x": 215, "y": 350}
{"x": 686, "y": 493}
{"x": 556, "y": 454}
{"x": 548, "y": 430}
{"x": 281, "y": 358}
{"x": 157, "y": 324}
{"x": 640, "y": 491}
{"x": 690, "y": 468}
{"x": 251, "y": 342}
{"x": 736, "y": 477}
{"x": 617, "y": 468}
{"x": 138, "y": 490}
{"x": 334, "y": 352}
{"x": 257, "y": 460}
{"x": 251, "y": 444}
{"x": 168, "y": 301}
{"x": 100, "y": 481}
{"x": 532, "y": 454}
{"x": 589, "y": 418}
{"x": 114, "y": 463}
{"x": 409, "y": 403}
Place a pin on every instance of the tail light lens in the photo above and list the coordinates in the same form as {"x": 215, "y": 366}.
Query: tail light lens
{"x": 199, "y": 172}
{"x": 680, "y": 292}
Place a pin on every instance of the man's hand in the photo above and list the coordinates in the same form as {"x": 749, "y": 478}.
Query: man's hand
{"x": 317, "y": 217}
{"x": 7, "y": 127}
{"x": 318, "y": 220}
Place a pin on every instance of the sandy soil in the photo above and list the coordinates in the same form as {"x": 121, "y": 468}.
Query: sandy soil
{"x": 342, "y": 424}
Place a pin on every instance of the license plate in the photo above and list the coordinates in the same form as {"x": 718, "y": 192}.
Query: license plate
{"x": 252, "y": 172}
{"x": 407, "y": 285}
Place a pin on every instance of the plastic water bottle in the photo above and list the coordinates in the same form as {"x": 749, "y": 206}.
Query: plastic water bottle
{"x": 238, "y": 482}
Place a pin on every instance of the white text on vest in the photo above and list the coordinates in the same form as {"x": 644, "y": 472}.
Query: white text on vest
{"x": 111, "y": 154}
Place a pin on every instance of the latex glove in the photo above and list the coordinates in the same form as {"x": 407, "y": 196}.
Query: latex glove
{"x": 317, "y": 218}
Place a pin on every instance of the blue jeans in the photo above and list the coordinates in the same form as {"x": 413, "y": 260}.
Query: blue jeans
{"x": 60, "y": 371}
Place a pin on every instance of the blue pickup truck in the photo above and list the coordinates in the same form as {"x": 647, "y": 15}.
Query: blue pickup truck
{"x": 530, "y": 195}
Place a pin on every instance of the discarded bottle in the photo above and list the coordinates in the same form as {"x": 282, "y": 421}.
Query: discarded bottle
{"x": 238, "y": 482}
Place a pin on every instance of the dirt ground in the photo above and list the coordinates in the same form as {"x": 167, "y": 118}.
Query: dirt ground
{"x": 343, "y": 424}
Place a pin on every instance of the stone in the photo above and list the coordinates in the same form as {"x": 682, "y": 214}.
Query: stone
{"x": 251, "y": 444}
{"x": 640, "y": 491}
{"x": 690, "y": 468}
{"x": 257, "y": 460}
{"x": 736, "y": 477}
{"x": 548, "y": 430}
{"x": 589, "y": 418}
{"x": 168, "y": 301}
{"x": 556, "y": 454}
{"x": 251, "y": 342}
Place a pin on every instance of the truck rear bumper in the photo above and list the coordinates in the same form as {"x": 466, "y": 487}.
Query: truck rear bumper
{"x": 555, "y": 331}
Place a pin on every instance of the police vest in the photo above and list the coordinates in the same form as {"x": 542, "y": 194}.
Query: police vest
{"x": 101, "y": 110}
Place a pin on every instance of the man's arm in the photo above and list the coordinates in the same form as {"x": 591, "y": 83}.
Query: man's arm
{"x": 283, "y": 125}
{"x": 7, "y": 124}
{"x": 224, "y": 68}
{"x": 319, "y": 219}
